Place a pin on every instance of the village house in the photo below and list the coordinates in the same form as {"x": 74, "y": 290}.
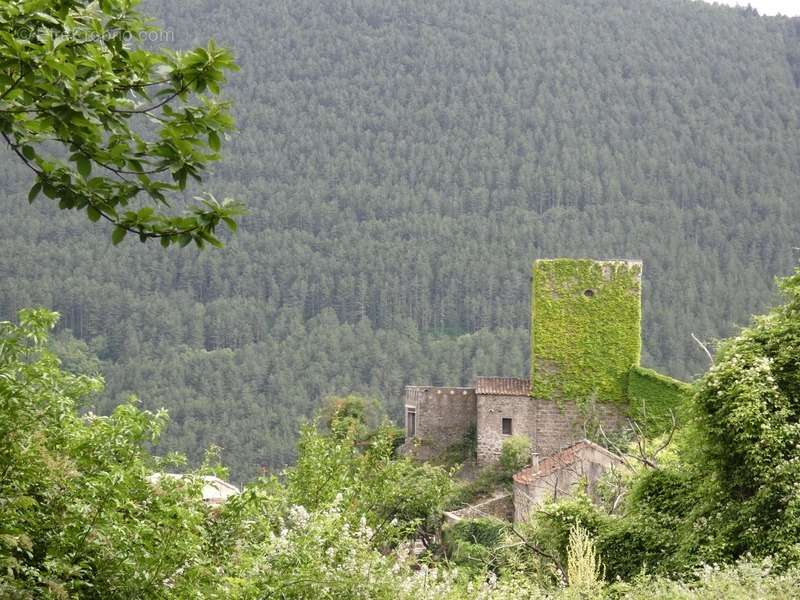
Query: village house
{"x": 575, "y": 468}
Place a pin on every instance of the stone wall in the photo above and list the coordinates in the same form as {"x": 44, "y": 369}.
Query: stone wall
{"x": 491, "y": 410}
{"x": 560, "y": 423}
{"x": 444, "y": 416}
{"x": 550, "y": 425}
{"x": 500, "y": 506}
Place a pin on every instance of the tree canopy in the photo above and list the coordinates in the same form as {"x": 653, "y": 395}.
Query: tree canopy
{"x": 107, "y": 126}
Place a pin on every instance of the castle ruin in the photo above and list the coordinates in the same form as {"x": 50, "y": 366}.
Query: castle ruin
{"x": 585, "y": 371}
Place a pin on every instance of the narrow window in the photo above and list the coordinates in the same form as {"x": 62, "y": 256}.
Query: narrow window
{"x": 506, "y": 426}
{"x": 411, "y": 422}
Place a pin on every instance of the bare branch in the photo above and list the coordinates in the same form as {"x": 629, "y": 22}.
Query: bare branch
{"x": 705, "y": 348}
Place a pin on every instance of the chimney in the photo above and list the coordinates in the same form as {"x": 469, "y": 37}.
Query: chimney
{"x": 534, "y": 462}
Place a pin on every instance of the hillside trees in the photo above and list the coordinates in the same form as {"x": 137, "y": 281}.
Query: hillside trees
{"x": 403, "y": 165}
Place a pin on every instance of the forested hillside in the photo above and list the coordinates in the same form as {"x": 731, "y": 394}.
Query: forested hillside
{"x": 404, "y": 162}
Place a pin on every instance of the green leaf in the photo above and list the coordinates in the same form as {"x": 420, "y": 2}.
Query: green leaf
{"x": 213, "y": 141}
{"x": 34, "y": 191}
{"x": 84, "y": 166}
{"x": 94, "y": 214}
{"x": 49, "y": 190}
{"x": 28, "y": 152}
{"x": 118, "y": 235}
{"x": 230, "y": 223}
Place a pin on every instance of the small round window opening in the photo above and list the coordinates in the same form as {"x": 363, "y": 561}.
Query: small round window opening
{"x": 589, "y": 293}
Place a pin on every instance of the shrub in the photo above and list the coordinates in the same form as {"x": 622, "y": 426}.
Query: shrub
{"x": 471, "y": 542}
{"x": 515, "y": 454}
{"x": 551, "y": 525}
{"x": 747, "y": 410}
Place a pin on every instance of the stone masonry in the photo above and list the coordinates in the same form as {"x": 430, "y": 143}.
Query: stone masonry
{"x": 550, "y": 425}
{"x": 442, "y": 417}
{"x": 598, "y": 303}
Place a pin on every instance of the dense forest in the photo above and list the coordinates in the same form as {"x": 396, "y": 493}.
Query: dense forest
{"x": 403, "y": 164}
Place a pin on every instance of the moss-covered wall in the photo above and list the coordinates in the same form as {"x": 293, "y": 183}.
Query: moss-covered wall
{"x": 652, "y": 396}
{"x": 585, "y": 328}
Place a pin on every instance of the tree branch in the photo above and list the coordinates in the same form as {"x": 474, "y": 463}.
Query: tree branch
{"x": 705, "y": 348}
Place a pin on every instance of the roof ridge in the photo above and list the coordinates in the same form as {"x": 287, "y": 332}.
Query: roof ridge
{"x": 502, "y": 386}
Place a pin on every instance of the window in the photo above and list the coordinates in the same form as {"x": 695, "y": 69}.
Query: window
{"x": 506, "y": 426}
{"x": 411, "y": 422}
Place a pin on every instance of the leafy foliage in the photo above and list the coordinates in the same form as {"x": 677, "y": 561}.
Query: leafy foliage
{"x": 599, "y": 305}
{"x": 353, "y": 412}
{"x": 654, "y": 399}
{"x": 472, "y": 542}
{"x": 78, "y": 516}
{"x": 72, "y": 85}
{"x": 748, "y": 415}
{"x": 550, "y": 527}
{"x": 397, "y": 497}
{"x": 514, "y": 454}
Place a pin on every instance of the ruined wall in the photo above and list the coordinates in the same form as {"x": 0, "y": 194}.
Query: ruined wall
{"x": 559, "y": 423}
{"x": 550, "y": 425}
{"x": 491, "y": 410}
{"x": 501, "y": 507}
{"x": 656, "y": 399}
{"x": 444, "y": 416}
{"x": 585, "y": 328}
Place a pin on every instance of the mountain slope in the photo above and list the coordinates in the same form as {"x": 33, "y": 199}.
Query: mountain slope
{"x": 404, "y": 163}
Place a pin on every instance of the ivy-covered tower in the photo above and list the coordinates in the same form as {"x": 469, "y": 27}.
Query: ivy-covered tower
{"x": 585, "y": 329}
{"x": 585, "y": 371}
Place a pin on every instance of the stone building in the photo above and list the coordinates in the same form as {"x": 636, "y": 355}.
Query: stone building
{"x": 560, "y": 475}
{"x": 585, "y": 342}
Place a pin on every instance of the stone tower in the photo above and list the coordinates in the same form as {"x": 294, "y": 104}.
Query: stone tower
{"x": 585, "y": 329}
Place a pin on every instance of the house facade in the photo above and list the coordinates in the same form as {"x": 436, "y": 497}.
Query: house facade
{"x": 560, "y": 475}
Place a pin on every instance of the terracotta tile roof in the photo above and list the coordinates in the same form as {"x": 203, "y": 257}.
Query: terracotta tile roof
{"x": 559, "y": 460}
{"x": 502, "y": 386}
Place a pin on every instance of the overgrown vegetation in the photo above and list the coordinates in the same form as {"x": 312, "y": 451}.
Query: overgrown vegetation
{"x": 491, "y": 479}
{"x": 599, "y": 304}
{"x": 80, "y": 515}
{"x": 655, "y": 400}
{"x": 514, "y": 455}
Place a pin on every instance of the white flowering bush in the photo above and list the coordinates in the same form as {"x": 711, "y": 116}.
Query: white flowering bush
{"x": 747, "y": 415}
{"x": 321, "y": 555}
